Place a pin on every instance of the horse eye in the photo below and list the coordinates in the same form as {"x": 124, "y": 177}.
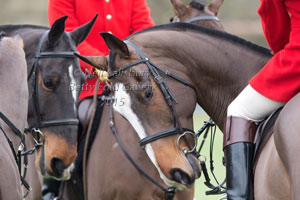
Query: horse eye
{"x": 148, "y": 93}
{"x": 49, "y": 84}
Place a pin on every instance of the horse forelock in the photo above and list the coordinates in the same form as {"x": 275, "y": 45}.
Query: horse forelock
{"x": 64, "y": 43}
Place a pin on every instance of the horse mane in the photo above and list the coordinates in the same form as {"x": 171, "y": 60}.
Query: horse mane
{"x": 197, "y": 5}
{"x": 178, "y": 26}
{"x": 9, "y": 27}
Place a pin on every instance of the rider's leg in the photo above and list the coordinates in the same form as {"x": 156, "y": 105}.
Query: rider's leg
{"x": 243, "y": 113}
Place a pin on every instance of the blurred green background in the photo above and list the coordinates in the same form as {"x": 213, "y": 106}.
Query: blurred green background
{"x": 239, "y": 17}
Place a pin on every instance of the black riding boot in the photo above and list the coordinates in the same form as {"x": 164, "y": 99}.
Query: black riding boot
{"x": 238, "y": 151}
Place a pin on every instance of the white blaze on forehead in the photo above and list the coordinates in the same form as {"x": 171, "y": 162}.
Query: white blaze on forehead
{"x": 126, "y": 111}
{"x": 73, "y": 82}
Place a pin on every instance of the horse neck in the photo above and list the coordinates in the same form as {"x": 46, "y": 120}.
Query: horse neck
{"x": 13, "y": 104}
{"x": 220, "y": 71}
{"x": 219, "y": 68}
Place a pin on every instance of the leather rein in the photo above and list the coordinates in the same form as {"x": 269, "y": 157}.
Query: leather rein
{"x": 19, "y": 153}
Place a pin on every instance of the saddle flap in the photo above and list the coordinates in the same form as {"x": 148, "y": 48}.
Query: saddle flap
{"x": 263, "y": 133}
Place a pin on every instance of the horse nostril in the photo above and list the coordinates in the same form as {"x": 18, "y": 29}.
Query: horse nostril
{"x": 182, "y": 177}
{"x": 58, "y": 167}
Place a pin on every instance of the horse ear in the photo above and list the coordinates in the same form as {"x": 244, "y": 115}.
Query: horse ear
{"x": 179, "y": 8}
{"x": 115, "y": 44}
{"x": 56, "y": 30}
{"x": 79, "y": 34}
{"x": 99, "y": 62}
{"x": 215, "y": 6}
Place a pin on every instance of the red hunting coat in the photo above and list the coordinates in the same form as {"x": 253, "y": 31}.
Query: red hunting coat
{"x": 279, "y": 80}
{"x": 120, "y": 17}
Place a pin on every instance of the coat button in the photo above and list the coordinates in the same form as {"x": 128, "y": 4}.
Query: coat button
{"x": 108, "y": 17}
{"x": 106, "y": 1}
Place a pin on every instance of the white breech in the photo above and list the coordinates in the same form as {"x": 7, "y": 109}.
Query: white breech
{"x": 251, "y": 105}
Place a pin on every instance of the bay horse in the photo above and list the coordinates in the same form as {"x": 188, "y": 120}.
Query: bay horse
{"x": 197, "y": 13}
{"x": 219, "y": 65}
{"x": 52, "y": 115}
{"x": 13, "y": 105}
{"x": 68, "y": 191}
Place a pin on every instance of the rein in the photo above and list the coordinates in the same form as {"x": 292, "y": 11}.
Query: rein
{"x": 34, "y": 73}
{"x": 170, "y": 191}
{"x": 17, "y": 155}
{"x": 219, "y": 188}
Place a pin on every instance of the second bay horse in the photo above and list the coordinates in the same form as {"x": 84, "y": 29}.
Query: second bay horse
{"x": 219, "y": 65}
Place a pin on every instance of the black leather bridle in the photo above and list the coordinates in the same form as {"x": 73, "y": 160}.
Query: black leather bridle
{"x": 170, "y": 99}
{"x": 198, "y": 18}
{"x": 39, "y": 123}
{"x": 19, "y": 153}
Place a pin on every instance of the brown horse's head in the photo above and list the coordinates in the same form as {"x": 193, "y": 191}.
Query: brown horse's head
{"x": 139, "y": 98}
{"x": 54, "y": 89}
{"x": 195, "y": 9}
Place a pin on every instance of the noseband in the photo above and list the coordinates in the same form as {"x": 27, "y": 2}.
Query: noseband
{"x": 170, "y": 99}
{"x": 39, "y": 123}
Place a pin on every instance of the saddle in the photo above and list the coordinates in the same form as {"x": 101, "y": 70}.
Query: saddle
{"x": 85, "y": 108}
{"x": 263, "y": 134}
